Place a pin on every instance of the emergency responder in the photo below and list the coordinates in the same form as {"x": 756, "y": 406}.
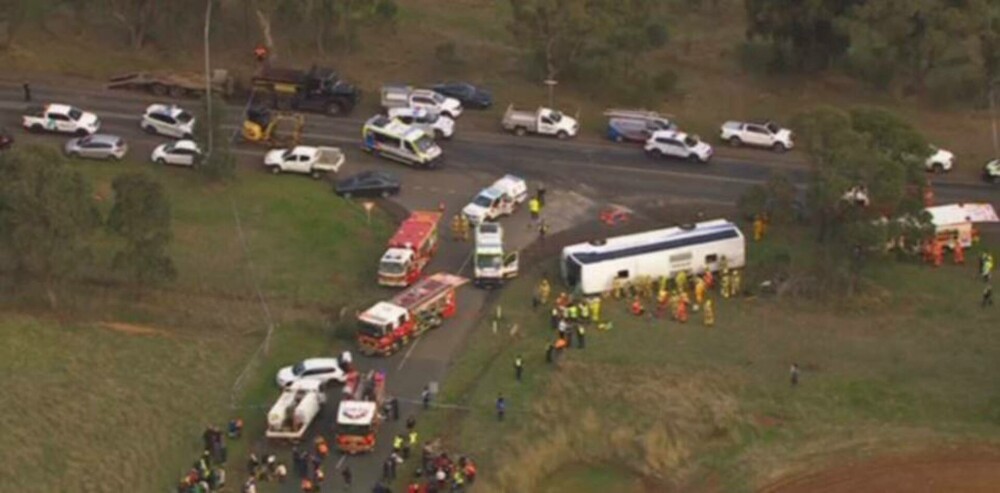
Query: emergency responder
{"x": 595, "y": 309}
{"x": 681, "y": 281}
{"x": 709, "y": 280}
{"x": 758, "y": 228}
{"x": 584, "y": 311}
{"x": 637, "y": 308}
{"x": 937, "y": 250}
{"x": 662, "y": 301}
{"x": 736, "y": 283}
{"x": 554, "y": 317}
{"x": 397, "y": 444}
{"x": 726, "y": 283}
{"x": 617, "y": 290}
{"x": 456, "y": 227}
{"x": 414, "y": 440}
{"x": 663, "y": 283}
{"x": 540, "y": 194}
{"x": 709, "y": 313}
{"x": 544, "y": 290}
{"x": 535, "y": 207}
{"x": 572, "y": 312}
{"x": 518, "y": 367}
{"x": 959, "y": 253}
{"x": 723, "y": 263}
{"x": 699, "y": 293}
{"x": 321, "y": 446}
{"x": 260, "y": 53}
{"x": 682, "y": 310}
{"x": 580, "y": 333}
{"x": 987, "y": 296}
{"x": 464, "y": 227}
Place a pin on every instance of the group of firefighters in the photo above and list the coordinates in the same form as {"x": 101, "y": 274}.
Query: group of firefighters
{"x": 460, "y": 227}
{"x": 207, "y": 474}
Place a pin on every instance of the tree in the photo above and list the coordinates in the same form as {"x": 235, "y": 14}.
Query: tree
{"x": 136, "y": 16}
{"x": 555, "y": 31}
{"x": 47, "y": 213}
{"x": 141, "y": 216}
{"x": 804, "y": 35}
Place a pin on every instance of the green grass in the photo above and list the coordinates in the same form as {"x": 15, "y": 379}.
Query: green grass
{"x": 908, "y": 366}
{"x": 94, "y": 409}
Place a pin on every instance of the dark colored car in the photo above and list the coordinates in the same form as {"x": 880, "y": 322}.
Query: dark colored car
{"x": 469, "y": 95}
{"x": 368, "y": 184}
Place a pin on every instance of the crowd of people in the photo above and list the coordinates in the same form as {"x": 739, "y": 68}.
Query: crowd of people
{"x": 207, "y": 474}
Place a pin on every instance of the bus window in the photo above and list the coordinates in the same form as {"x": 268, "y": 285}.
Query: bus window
{"x": 622, "y": 274}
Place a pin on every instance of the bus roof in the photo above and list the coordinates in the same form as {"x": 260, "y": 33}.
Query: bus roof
{"x": 652, "y": 241}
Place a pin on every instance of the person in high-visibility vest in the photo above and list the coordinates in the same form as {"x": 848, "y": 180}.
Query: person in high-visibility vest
{"x": 397, "y": 444}
{"x": 572, "y": 312}
{"x": 595, "y": 309}
{"x": 543, "y": 291}
{"x": 682, "y": 281}
{"x": 464, "y": 227}
{"x": 709, "y": 280}
{"x": 758, "y": 228}
{"x": 637, "y": 308}
{"x": 709, "y": 314}
{"x": 584, "y": 311}
{"x": 682, "y": 311}
{"x": 456, "y": 227}
{"x": 724, "y": 285}
{"x": 663, "y": 283}
{"x": 736, "y": 283}
{"x": 662, "y": 302}
{"x": 699, "y": 292}
{"x": 535, "y": 207}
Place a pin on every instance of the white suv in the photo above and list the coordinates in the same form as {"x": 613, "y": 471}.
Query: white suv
{"x": 440, "y": 126}
{"x": 169, "y": 120}
{"x": 767, "y": 134}
{"x": 320, "y": 369}
{"x": 940, "y": 160}
{"x": 671, "y": 143}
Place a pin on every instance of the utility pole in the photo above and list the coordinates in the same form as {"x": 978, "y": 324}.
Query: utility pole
{"x": 993, "y": 117}
{"x": 208, "y": 78}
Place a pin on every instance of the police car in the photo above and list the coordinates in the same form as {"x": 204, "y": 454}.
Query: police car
{"x": 168, "y": 120}
{"x": 396, "y": 140}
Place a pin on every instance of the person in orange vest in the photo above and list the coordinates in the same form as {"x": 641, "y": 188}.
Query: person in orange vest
{"x": 959, "y": 253}
{"x": 260, "y": 53}
{"x": 321, "y": 447}
{"x": 709, "y": 280}
{"x": 637, "y": 308}
{"x": 682, "y": 311}
{"x": 699, "y": 293}
{"x": 937, "y": 250}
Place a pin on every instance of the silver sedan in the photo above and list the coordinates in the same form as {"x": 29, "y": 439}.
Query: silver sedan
{"x": 97, "y": 146}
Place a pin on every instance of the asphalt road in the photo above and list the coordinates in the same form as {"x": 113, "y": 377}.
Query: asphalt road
{"x": 581, "y": 176}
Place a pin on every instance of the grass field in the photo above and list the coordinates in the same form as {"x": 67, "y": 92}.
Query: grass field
{"x": 112, "y": 392}
{"x": 653, "y": 405}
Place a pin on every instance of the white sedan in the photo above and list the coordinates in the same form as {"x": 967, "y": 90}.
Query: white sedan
{"x": 169, "y": 120}
{"x": 320, "y": 369}
{"x": 940, "y": 160}
{"x": 180, "y": 153}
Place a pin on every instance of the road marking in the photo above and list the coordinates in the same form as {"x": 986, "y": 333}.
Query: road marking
{"x": 340, "y": 462}
{"x": 407, "y": 355}
{"x": 465, "y": 263}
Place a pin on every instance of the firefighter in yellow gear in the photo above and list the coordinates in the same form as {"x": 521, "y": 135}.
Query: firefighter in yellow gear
{"x": 595, "y": 309}
{"x": 647, "y": 286}
{"x": 464, "y": 227}
{"x": 681, "y": 280}
{"x": 699, "y": 292}
{"x": 543, "y": 291}
{"x": 723, "y": 264}
{"x": 682, "y": 311}
{"x": 663, "y": 283}
{"x": 726, "y": 283}
{"x": 584, "y": 311}
{"x": 456, "y": 227}
{"x": 662, "y": 302}
{"x": 758, "y": 228}
{"x": 709, "y": 314}
{"x": 617, "y": 289}
{"x": 735, "y": 284}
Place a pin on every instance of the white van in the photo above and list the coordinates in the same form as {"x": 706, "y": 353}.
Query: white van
{"x": 492, "y": 265}
{"x": 396, "y": 140}
{"x": 499, "y": 199}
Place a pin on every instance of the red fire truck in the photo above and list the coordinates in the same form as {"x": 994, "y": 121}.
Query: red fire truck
{"x": 389, "y": 325}
{"x": 410, "y": 249}
{"x": 358, "y": 415}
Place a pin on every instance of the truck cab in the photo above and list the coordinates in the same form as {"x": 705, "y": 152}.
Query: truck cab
{"x": 398, "y": 141}
{"x": 543, "y": 121}
{"x": 397, "y": 268}
{"x": 384, "y": 328}
{"x": 492, "y": 265}
{"x": 499, "y": 199}
{"x": 397, "y": 96}
{"x": 358, "y": 415}
{"x": 318, "y": 89}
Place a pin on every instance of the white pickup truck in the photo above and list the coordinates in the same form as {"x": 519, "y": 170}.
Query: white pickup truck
{"x": 767, "y": 134}
{"x": 60, "y": 118}
{"x": 408, "y": 97}
{"x": 306, "y": 160}
{"x": 295, "y": 409}
{"x": 543, "y": 121}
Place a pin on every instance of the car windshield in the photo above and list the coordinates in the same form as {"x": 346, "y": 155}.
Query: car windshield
{"x": 298, "y": 369}
{"x": 75, "y": 114}
{"x": 431, "y": 117}
{"x": 392, "y": 267}
{"x": 169, "y": 147}
{"x": 370, "y": 330}
{"x": 353, "y": 430}
{"x": 86, "y": 140}
{"x": 483, "y": 201}
{"x": 424, "y": 143}
{"x": 690, "y": 141}
{"x": 286, "y": 154}
{"x": 184, "y": 117}
{"x": 439, "y": 99}
{"x": 773, "y": 127}
{"x": 489, "y": 261}
{"x": 555, "y": 116}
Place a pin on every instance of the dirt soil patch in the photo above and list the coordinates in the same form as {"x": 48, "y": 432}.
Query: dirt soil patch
{"x": 132, "y": 329}
{"x": 963, "y": 471}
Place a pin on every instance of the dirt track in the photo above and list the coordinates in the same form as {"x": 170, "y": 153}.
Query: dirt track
{"x": 965, "y": 471}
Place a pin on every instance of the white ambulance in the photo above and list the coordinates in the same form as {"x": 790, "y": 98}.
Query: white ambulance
{"x": 396, "y": 140}
{"x": 499, "y": 199}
